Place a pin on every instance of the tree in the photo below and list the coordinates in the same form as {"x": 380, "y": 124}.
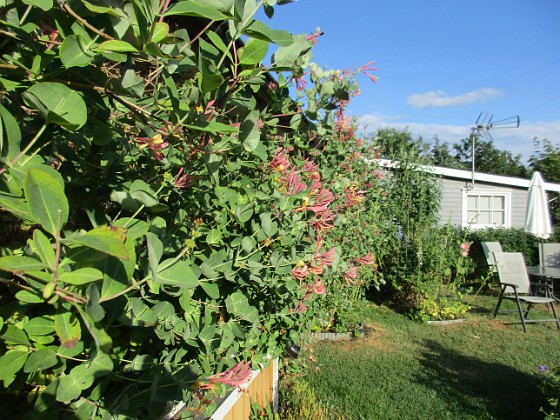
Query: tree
{"x": 394, "y": 144}
{"x": 441, "y": 156}
{"x": 489, "y": 159}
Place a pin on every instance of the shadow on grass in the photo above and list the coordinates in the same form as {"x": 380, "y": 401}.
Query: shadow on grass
{"x": 501, "y": 391}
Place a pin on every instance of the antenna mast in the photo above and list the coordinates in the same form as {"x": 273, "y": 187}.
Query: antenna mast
{"x": 483, "y": 126}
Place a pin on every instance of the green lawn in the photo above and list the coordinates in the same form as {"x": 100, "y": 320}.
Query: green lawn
{"x": 401, "y": 369}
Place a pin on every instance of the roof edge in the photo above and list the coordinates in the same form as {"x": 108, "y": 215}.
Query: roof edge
{"x": 467, "y": 175}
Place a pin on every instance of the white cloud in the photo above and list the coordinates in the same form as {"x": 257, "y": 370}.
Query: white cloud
{"x": 516, "y": 140}
{"x": 438, "y": 99}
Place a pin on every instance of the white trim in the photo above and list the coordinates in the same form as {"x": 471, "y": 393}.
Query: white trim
{"x": 480, "y": 191}
{"x": 478, "y": 176}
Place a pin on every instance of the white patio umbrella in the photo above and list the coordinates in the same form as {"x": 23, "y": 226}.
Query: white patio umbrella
{"x": 537, "y": 218}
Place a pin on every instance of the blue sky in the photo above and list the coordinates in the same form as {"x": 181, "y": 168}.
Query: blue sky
{"x": 443, "y": 62}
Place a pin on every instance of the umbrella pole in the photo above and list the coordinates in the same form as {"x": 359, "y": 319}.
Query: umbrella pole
{"x": 541, "y": 256}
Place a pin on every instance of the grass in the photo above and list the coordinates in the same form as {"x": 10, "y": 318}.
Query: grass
{"x": 483, "y": 368}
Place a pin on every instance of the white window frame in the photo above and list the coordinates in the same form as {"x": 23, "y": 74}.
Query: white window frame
{"x": 481, "y": 192}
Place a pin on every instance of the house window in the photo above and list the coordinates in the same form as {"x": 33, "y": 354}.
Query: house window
{"x": 482, "y": 209}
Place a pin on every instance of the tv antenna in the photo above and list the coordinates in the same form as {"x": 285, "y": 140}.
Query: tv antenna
{"x": 482, "y": 128}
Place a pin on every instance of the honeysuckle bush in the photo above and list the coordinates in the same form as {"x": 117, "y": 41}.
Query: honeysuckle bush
{"x": 171, "y": 215}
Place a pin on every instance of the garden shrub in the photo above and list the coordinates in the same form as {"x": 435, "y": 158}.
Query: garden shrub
{"x": 171, "y": 216}
{"x": 424, "y": 264}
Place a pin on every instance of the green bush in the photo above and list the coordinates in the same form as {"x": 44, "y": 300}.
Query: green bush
{"x": 166, "y": 205}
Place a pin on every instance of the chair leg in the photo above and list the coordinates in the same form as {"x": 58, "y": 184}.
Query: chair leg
{"x": 521, "y": 315}
{"x": 529, "y": 306}
{"x": 555, "y": 316}
{"x": 499, "y": 302}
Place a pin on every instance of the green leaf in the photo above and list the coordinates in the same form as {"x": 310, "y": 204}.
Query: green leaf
{"x": 10, "y": 364}
{"x": 179, "y": 274}
{"x": 103, "y": 341}
{"x": 81, "y": 276}
{"x": 68, "y": 389}
{"x": 266, "y": 223}
{"x": 249, "y": 133}
{"x": 44, "y": 5}
{"x": 100, "y": 9}
{"x": 211, "y": 289}
{"x": 44, "y": 248}
{"x": 101, "y": 364}
{"x": 83, "y": 376}
{"x": 20, "y": 264}
{"x": 41, "y": 325}
{"x": 237, "y": 304}
{"x": 14, "y": 335}
{"x": 10, "y": 136}
{"x": 116, "y": 45}
{"x": 117, "y": 273}
{"x": 74, "y": 54}
{"x": 254, "y": 52}
{"x": 193, "y": 8}
{"x": 221, "y": 5}
{"x": 40, "y": 360}
{"x": 208, "y": 334}
{"x": 67, "y": 329}
{"x": 28, "y": 297}
{"x": 214, "y": 237}
{"x": 135, "y": 228}
{"x": 209, "y": 82}
{"x": 44, "y": 191}
{"x": 213, "y": 127}
{"x": 161, "y": 31}
{"x": 286, "y": 56}
{"x": 155, "y": 250}
{"x": 262, "y": 31}
{"x": 16, "y": 206}
{"x": 107, "y": 239}
{"x": 57, "y": 104}
{"x": 219, "y": 43}
{"x": 93, "y": 308}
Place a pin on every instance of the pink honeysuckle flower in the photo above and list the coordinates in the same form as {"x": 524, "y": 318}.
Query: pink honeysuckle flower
{"x": 309, "y": 166}
{"x": 300, "y": 273}
{"x": 326, "y": 258}
{"x": 300, "y": 82}
{"x": 280, "y": 161}
{"x": 323, "y": 222}
{"x": 368, "y": 259}
{"x": 351, "y": 275}
{"x": 293, "y": 183}
{"x": 155, "y": 144}
{"x": 320, "y": 201}
{"x": 182, "y": 181}
{"x": 465, "y": 247}
{"x": 300, "y": 308}
{"x": 366, "y": 68}
{"x": 318, "y": 287}
{"x": 235, "y": 376}
{"x": 317, "y": 269}
{"x": 313, "y": 38}
{"x": 353, "y": 196}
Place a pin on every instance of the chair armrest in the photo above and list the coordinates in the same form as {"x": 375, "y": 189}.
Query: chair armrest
{"x": 513, "y": 286}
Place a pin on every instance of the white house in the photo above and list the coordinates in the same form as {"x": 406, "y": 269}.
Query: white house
{"x": 481, "y": 200}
